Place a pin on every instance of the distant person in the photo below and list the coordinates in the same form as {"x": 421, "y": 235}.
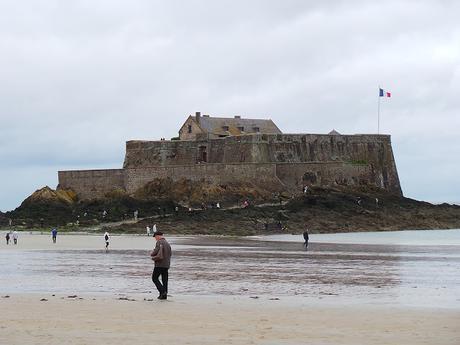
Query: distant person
{"x": 10, "y": 222}
{"x": 305, "y": 189}
{"x": 15, "y": 237}
{"x": 305, "y": 237}
{"x": 161, "y": 255}
{"x": 54, "y": 234}
{"x": 218, "y": 205}
{"x": 154, "y": 229}
{"x": 148, "y": 230}
{"x": 136, "y": 213}
{"x": 104, "y": 214}
{"x": 376, "y": 202}
{"x": 7, "y": 237}
{"x": 107, "y": 240}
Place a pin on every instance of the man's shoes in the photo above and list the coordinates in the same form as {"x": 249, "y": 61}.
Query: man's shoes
{"x": 163, "y": 296}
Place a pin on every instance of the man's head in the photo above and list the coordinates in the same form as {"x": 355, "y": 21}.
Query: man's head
{"x": 158, "y": 235}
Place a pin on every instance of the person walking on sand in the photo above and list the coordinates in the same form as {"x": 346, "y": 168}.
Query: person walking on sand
{"x": 54, "y": 234}
{"x": 161, "y": 255}
{"x": 107, "y": 240}
{"x": 148, "y": 230}
{"x": 7, "y": 236}
{"x": 154, "y": 229}
{"x": 15, "y": 237}
{"x": 305, "y": 237}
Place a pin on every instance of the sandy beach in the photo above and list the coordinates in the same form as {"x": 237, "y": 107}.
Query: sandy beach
{"x": 229, "y": 291}
{"x": 216, "y": 320}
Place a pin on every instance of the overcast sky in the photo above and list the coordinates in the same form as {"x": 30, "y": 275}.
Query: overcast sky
{"x": 79, "y": 78}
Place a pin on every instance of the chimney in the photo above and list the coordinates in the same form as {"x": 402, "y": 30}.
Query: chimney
{"x": 237, "y": 117}
{"x": 198, "y": 116}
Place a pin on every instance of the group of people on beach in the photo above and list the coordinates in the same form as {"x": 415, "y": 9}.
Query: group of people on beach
{"x": 12, "y": 235}
{"x": 151, "y": 230}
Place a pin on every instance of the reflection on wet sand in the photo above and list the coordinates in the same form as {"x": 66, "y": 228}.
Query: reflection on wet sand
{"x": 206, "y": 265}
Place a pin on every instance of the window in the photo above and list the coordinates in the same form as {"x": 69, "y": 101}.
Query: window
{"x": 241, "y": 129}
{"x": 256, "y": 129}
{"x": 225, "y": 128}
{"x": 190, "y": 128}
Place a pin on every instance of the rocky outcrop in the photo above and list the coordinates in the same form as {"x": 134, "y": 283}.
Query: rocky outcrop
{"x": 167, "y": 203}
{"x": 322, "y": 210}
{"x": 48, "y": 195}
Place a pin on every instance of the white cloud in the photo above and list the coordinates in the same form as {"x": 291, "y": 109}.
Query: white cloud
{"x": 79, "y": 78}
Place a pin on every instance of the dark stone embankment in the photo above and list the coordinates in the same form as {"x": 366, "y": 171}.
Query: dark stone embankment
{"x": 324, "y": 210}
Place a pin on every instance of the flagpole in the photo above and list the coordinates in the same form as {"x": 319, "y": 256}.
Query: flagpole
{"x": 378, "y": 113}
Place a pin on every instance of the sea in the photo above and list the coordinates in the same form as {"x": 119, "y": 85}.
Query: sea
{"x": 419, "y": 268}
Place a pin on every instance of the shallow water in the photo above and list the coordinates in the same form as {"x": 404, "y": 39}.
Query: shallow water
{"x": 366, "y": 272}
{"x": 412, "y": 237}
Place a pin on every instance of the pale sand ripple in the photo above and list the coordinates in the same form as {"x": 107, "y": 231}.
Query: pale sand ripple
{"x": 25, "y": 320}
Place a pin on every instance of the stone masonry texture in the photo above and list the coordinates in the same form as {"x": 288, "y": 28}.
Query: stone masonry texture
{"x": 289, "y": 160}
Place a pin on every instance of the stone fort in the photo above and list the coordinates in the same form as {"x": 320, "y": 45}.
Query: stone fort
{"x": 224, "y": 150}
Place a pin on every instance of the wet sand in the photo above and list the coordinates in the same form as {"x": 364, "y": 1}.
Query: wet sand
{"x": 216, "y": 320}
{"x": 227, "y": 291}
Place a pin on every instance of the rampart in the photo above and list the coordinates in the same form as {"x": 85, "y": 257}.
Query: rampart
{"x": 287, "y": 160}
{"x": 92, "y": 184}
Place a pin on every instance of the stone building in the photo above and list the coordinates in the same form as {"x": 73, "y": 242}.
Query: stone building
{"x": 232, "y": 150}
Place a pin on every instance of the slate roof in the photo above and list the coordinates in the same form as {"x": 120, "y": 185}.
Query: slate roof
{"x": 233, "y": 126}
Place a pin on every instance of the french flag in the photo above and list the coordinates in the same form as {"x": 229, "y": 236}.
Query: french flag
{"x": 383, "y": 93}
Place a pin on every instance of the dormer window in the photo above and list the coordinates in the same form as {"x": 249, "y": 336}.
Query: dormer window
{"x": 225, "y": 128}
{"x": 241, "y": 129}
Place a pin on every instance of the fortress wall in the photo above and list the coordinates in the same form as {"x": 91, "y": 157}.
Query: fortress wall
{"x": 259, "y": 148}
{"x": 317, "y": 147}
{"x": 292, "y": 176}
{"x": 182, "y": 152}
{"x": 91, "y": 184}
{"x": 215, "y": 173}
{"x": 372, "y": 150}
{"x": 160, "y": 153}
{"x": 298, "y": 175}
{"x": 294, "y": 159}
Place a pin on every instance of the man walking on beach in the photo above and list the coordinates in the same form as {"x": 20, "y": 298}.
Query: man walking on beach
{"x": 162, "y": 257}
{"x": 15, "y": 237}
